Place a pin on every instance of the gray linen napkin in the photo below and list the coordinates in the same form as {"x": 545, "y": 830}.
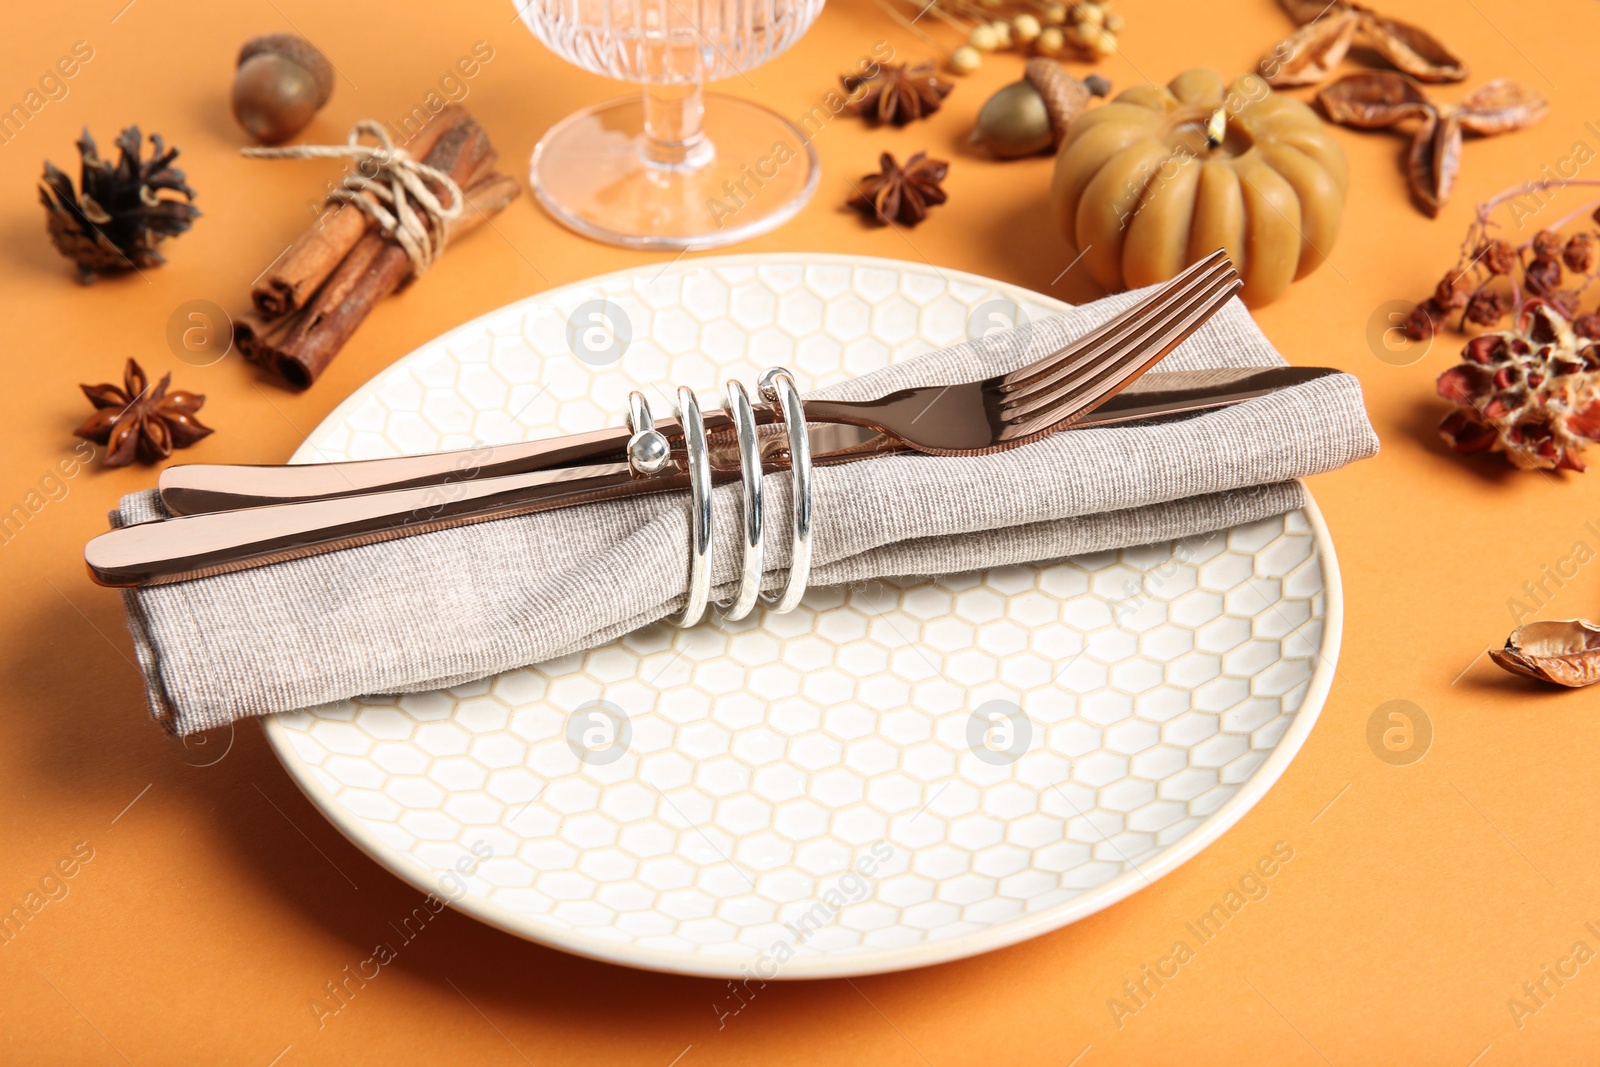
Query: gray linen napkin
{"x": 439, "y": 609}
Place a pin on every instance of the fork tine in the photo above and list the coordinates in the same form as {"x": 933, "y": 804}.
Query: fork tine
{"x": 1125, "y": 323}
{"x": 1070, "y": 401}
{"x": 1078, "y": 367}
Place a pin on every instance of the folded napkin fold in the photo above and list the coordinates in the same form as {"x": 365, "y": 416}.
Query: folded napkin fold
{"x": 443, "y": 608}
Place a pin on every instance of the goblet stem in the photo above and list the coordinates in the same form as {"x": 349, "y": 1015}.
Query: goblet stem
{"x": 674, "y": 127}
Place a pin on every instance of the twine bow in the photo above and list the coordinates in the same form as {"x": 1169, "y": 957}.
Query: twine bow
{"x": 390, "y": 185}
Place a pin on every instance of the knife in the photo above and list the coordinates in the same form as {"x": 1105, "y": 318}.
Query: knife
{"x": 337, "y": 508}
{"x": 201, "y": 488}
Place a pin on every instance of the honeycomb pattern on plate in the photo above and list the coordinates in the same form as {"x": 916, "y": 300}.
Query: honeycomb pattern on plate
{"x": 890, "y": 766}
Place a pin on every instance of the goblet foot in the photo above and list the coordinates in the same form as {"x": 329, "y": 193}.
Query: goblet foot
{"x": 752, "y": 172}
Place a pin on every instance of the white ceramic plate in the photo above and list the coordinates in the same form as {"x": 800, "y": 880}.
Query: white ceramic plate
{"x": 890, "y": 776}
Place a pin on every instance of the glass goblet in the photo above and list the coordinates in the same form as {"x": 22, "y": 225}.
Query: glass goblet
{"x": 676, "y": 167}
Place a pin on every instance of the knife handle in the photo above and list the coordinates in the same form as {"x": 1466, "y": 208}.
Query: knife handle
{"x": 197, "y": 546}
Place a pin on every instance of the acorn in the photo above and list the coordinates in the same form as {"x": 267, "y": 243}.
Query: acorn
{"x": 1032, "y": 115}
{"x": 280, "y": 83}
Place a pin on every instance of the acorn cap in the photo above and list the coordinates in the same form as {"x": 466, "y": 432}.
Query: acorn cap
{"x": 297, "y": 50}
{"x": 1064, "y": 96}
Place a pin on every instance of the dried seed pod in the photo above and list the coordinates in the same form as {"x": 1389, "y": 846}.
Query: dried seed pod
{"x": 1501, "y": 106}
{"x": 1328, "y": 30}
{"x": 1579, "y": 254}
{"x": 1547, "y": 244}
{"x": 1309, "y": 55}
{"x": 1487, "y": 307}
{"x": 1379, "y": 98}
{"x": 1434, "y": 160}
{"x": 1424, "y": 320}
{"x": 1453, "y": 290}
{"x": 1560, "y": 651}
{"x": 1373, "y": 100}
{"x": 1411, "y": 49}
{"x": 1304, "y": 11}
{"x": 1032, "y": 115}
{"x": 1530, "y": 393}
{"x": 280, "y": 83}
{"x": 1543, "y": 275}
{"x": 1498, "y": 256}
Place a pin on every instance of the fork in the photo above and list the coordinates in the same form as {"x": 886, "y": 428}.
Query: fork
{"x": 363, "y": 502}
{"x": 941, "y": 420}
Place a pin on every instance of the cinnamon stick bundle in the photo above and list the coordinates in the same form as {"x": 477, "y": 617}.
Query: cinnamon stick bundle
{"x": 298, "y": 347}
{"x": 309, "y": 305}
{"x": 314, "y": 255}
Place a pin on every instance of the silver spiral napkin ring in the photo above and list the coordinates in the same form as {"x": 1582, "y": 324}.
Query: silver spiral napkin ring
{"x": 649, "y": 453}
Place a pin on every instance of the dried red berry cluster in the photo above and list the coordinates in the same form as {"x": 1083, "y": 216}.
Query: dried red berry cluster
{"x": 1550, "y": 267}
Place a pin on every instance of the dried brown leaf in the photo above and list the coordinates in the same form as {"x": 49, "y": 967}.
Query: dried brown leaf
{"x": 1501, "y": 106}
{"x": 1434, "y": 161}
{"x": 1411, "y": 49}
{"x": 1562, "y": 651}
{"x": 1373, "y": 99}
{"x": 1309, "y": 55}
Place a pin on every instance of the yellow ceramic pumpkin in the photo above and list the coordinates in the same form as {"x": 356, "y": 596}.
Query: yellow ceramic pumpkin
{"x": 1161, "y": 176}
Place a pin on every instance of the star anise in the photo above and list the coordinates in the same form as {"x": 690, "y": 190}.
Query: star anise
{"x": 136, "y": 421}
{"x": 901, "y": 194}
{"x": 899, "y": 93}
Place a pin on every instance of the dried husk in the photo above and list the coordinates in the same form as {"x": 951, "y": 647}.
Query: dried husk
{"x": 1560, "y": 651}
{"x": 1501, "y": 106}
{"x": 1313, "y": 51}
{"x": 1378, "y": 99}
{"x": 1411, "y": 49}
{"x": 1373, "y": 100}
{"x": 1434, "y": 161}
{"x": 1304, "y": 11}
{"x": 1327, "y": 30}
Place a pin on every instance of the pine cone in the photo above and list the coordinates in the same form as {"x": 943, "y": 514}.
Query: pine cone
{"x": 116, "y": 219}
{"x": 1531, "y": 393}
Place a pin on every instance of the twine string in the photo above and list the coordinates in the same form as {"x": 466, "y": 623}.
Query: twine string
{"x": 390, "y": 185}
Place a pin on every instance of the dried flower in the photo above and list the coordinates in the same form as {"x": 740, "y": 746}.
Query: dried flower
{"x": 899, "y": 94}
{"x": 1531, "y": 393}
{"x": 899, "y": 193}
{"x": 1310, "y": 54}
{"x": 1561, "y": 651}
{"x": 136, "y": 421}
{"x": 1381, "y": 99}
{"x": 1587, "y": 326}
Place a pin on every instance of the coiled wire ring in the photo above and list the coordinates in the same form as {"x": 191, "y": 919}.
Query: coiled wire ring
{"x": 777, "y": 387}
{"x": 648, "y": 451}
{"x": 699, "y": 462}
{"x": 744, "y": 427}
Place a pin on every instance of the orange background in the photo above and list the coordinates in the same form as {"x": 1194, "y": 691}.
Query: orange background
{"x": 1419, "y": 898}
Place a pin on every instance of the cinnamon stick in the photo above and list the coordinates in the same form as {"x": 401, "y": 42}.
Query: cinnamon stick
{"x": 316, "y": 253}
{"x": 298, "y": 347}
